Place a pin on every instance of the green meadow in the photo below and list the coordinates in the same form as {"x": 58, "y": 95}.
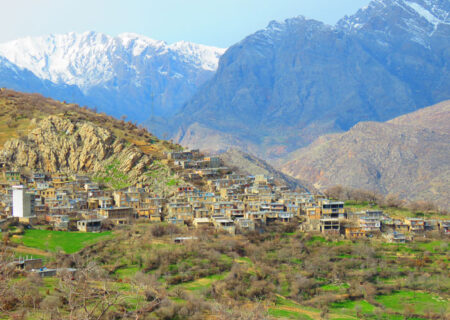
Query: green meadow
{"x": 69, "y": 242}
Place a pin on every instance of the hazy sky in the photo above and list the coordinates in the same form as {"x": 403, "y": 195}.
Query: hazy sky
{"x": 213, "y": 22}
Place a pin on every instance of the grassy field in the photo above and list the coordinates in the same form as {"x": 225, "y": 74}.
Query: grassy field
{"x": 202, "y": 283}
{"x": 420, "y": 302}
{"x": 350, "y": 307}
{"x": 69, "y": 242}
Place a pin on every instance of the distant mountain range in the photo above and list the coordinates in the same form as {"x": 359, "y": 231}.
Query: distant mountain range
{"x": 128, "y": 75}
{"x": 14, "y": 77}
{"x": 408, "y": 156}
{"x": 282, "y": 87}
{"x": 275, "y": 92}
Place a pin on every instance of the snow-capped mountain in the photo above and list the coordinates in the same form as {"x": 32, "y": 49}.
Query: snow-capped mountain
{"x": 16, "y": 78}
{"x": 125, "y": 75}
{"x": 298, "y": 79}
{"x": 418, "y": 19}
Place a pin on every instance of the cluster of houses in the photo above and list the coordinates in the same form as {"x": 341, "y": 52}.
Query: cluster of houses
{"x": 223, "y": 200}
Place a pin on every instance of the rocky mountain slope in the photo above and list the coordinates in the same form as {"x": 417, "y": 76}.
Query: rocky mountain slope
{"x": 16, "y": 78}
{"x": 128, "y": 75}
{"x": 60, "y": 145}
{"x": 248, "y": 164}
{"x": 282, "y": 87}
{"x": 408, "y": 156}
{"x": 44, "y": 135}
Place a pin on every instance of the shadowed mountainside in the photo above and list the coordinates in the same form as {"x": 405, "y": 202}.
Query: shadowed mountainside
{"x": 282, "y": 87}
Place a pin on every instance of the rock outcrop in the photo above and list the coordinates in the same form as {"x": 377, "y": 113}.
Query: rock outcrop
{"x": 58, "y": 144}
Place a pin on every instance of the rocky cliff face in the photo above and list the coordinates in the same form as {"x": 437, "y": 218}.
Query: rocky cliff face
{"x": 282, "y": 87}
{"x": 408, "y": 156}
{"x": 57, "y": 145}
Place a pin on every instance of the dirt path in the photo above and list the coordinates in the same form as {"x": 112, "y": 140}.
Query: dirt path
{"x": 27, "y": 250}
{"x": 312, "y": 314}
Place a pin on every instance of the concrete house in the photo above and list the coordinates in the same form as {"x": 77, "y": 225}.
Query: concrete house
{"x": 92, "y": 225}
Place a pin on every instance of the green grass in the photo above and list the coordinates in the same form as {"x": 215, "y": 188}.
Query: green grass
{"x": 285, "y": 309}
{"x": 334, "y": 287}
{"x": 285, "y": 314}
{"x": 421, "y": 301}
{"x": 69, "y": 242}
{"x": 316, "y": 239}
{"x": 349, "y": 307}
{"x": 433, "y": 245}
{"x": 202, "y": 283}
{"x": 113, "y": 176}
{"x": 127, "y": 272}
{"x": 244, "y": 260}
{"x": 281, "y": 301}
{"x": 172, "y": 182}
{"x": 49, "y": 284}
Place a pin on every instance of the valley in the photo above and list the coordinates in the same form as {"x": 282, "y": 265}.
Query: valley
{"x": 185, "y": 236}
{"x": 299, "y": 170}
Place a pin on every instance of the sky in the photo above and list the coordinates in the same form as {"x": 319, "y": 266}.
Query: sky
{"x": 218, "y": 23}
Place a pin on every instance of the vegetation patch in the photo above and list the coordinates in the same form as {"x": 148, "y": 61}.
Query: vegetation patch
{"x": 113, "y": 176}
{"x": 286, "y": 314}
{"x": 69, "y": 242}
{"x": 416, "y": 302}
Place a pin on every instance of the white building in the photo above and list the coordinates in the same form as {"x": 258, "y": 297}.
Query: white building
{"x": 23, "y": 202}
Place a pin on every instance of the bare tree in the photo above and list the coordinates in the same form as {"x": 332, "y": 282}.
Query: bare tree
{"x": 7, "y": 271}
{"x": 88, "y": 293}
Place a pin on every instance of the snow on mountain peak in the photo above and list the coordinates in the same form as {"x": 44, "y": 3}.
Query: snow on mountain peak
{"x": 91, "y": 59}
{"x": 435, "y": 16}
{"x": 202, "y": 56}
{"x": 420, "y": 18}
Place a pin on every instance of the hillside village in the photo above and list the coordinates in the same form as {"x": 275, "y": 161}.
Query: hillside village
{"x": 296, "y": 172}
{"x": 213, "y": 197}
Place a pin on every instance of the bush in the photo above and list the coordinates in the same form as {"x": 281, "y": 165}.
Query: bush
{"x": 160, "y": 230}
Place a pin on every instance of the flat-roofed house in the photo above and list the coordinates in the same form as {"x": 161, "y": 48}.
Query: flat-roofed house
{"x": 370, "y": 224}
{"x": 92, "y": 225}
{"x": 202, "y": 222}
{"x": 118, "y": 216}
{"x": 415, "y": 224}
{"x": 225, "y": 225}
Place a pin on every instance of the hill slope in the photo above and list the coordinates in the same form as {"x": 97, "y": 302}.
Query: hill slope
{"x": 409, "y": 156}
{"x": 248, "y": 164}
{"x": 128, "y": 75}
{"x": 282, "y": 87}
{"x": 48, "y": 136}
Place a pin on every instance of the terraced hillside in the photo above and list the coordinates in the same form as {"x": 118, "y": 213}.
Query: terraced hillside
{"x": 281, "y": 274}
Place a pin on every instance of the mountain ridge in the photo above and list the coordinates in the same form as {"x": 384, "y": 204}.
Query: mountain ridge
{"x": 404, "y": 156}
{"x": 284, "y": 86}
{"x": 128, "y": 74}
